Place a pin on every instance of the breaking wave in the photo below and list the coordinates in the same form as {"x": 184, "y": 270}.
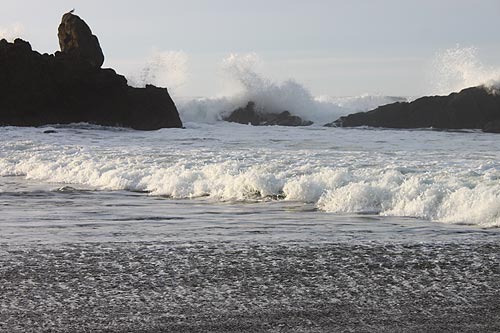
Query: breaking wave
{"x": 273, "y": 97}
{"x": 460, "y": 67}
{"x": 162, "y": 69}
{"x": 451, "y": 70}
{"x": 447, "y": 195}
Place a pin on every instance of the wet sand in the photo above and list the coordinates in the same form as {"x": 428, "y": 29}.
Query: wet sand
{"x": 250, "y": 287}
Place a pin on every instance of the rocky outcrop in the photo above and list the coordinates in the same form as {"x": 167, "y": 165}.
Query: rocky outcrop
{"x": 77, "y": 41}
{"x": 471, "y": 108}
{"x": 70, "y": 86}
{"x": 249, "y": 115}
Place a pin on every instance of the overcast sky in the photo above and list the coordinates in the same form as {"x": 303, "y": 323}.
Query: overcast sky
{"x": 333, "y": 47}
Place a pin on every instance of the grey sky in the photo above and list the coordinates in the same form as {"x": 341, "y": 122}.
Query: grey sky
{"x": 332, "y": 47}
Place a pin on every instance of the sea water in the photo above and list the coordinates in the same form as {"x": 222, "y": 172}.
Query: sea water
{"x": 225, "y": 181}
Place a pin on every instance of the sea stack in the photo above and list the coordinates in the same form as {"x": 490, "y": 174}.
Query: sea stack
{"x": 71, "y": 87}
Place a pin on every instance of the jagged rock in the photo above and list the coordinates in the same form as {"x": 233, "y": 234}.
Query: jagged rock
{"x": 38, "y": 89}
{"x": 471, "y": 108}
{"x": 249, "y": 115}
{"x": 77, "y": 41}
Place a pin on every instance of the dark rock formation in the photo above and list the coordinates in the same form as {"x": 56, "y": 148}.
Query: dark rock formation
{"x": 246, "y": 115}
{"x": 249, "y": 115}
{"x": 471, "y": 108}
{"x": 70, "y": 86}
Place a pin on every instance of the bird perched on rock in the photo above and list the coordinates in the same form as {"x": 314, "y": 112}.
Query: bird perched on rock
{"x": 72, "y": 11}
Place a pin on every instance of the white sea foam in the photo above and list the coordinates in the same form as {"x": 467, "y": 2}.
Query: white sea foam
{"x": 320, "y": 110}
{"x": 226, "y": 162}
{"x": 439, "y": 197}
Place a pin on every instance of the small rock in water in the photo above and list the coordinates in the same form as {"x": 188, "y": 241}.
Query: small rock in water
{"x": 66, "y": 189}
{"x": 249, "y": 115}
{"x": 49, "y": 131}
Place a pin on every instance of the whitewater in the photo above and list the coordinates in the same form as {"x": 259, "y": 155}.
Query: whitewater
{"x": 448, "y": 177}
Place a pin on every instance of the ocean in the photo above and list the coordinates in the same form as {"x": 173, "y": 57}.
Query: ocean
{"x": 229, "y": 227}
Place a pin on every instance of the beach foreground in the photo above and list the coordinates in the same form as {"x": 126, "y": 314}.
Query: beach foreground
{"x": 228, "y": 287}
